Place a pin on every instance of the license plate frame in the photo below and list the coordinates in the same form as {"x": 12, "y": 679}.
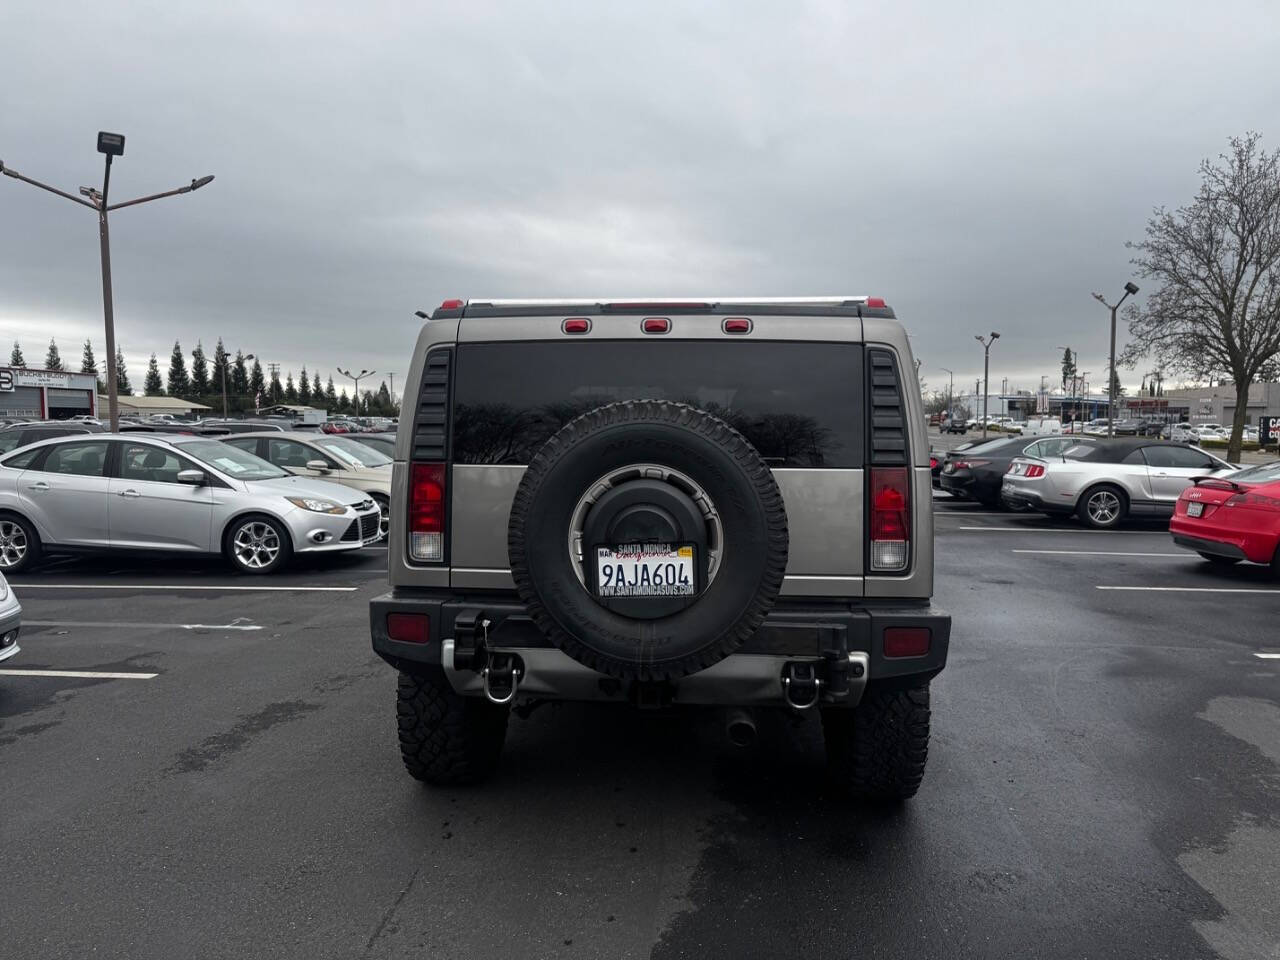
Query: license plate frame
{"x": 1195, "y": 509}
{"x": 641, "y": 571}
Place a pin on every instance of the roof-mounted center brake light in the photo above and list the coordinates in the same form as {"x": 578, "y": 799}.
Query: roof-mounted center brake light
{"x": 576, "y": 325}
{"x": 655, "y": 325}
{"x": 875, "y": 301}
{"x": 671, "y": 307}
{"x": 452, "y": 305}
{"x": 736, "y": 325}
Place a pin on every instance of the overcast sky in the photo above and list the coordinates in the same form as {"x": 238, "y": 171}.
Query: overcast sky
{"x": 978, "y": 165}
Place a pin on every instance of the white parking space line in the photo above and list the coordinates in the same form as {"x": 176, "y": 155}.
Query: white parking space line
{"x": 1267, "y": 656}
{"x": 1196, "y": 589}
{"x": 1100, "y": 553}
{"x": 990, "y": 529}
{"x": 175, "y": 586}
{"x": 79, "y": 674}
{"x": 140, "y": 625}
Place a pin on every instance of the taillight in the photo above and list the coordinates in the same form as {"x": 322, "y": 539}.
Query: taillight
{"x": 409, "y": 627}
{"x": 970, "y": 464}
{"x": 452, "y": 305}
{"x": 933, "y": 463}
{"x": 907, "y": 641}
{"x": 426, "y": 512}
{"x": 576, "y": 325}
{"x": 1034, "y": 470}
{"x": 655, "y": 325}
{"x": 875, "y": 301}
{"x": 890, "y": 520}
{"x": 736, "y": 325}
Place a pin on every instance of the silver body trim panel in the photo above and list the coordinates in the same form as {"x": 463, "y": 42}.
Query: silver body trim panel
{"x": 741, "y": 679}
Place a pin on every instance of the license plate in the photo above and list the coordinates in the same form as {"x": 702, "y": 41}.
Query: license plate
{"x": 1195, "y": 509}
{"x": 645, "y": 570}
{"x": 949, "y": 468}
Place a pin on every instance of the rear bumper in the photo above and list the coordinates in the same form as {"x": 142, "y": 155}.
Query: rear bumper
{"x": 1030, "y": 500}
{"x": 1217, "y": 548}
{"x": 1256, "y": 546}
{"x": 10, "y": 623}
{"x": 750, "y": 676}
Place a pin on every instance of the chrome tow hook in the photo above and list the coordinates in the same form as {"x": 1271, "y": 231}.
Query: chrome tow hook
{"x": 501, "y": 676}
{"x": 801, "y": 685}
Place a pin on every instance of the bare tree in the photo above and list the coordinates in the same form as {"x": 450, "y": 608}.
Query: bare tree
{"x": 1216, "y": 267}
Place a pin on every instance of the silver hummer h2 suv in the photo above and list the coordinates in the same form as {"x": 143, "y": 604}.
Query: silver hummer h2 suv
{"x": 721, "y": 502}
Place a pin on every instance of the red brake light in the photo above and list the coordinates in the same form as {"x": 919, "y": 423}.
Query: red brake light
{"x": 970, "y": 464}
{"x": 1034, "y": 470}
{"x": 576, "y": 325}
{"x": 890, "y": 521}
{"x": 933, "y": 462}
{"x": 426, "y": 512}
{"x": 736, "y": 325}
{"x": 655, "y": 325}
{"x": 409, "y": 627}
{"x": 907, "y": 641}
{"x": 452, "y": 305}
{"x": 875, "y": 301}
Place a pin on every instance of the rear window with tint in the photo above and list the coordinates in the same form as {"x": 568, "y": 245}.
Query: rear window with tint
{"x": 799, "y": 404}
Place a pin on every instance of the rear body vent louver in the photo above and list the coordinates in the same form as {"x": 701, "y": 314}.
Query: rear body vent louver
{"x": 888, "y": 446}
{"x": 431, "y": 417}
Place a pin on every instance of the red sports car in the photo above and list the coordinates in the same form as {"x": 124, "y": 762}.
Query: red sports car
{"x": 1233, "y": 518}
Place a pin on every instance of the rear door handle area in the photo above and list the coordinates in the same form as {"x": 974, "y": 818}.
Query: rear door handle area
{"x": 38, "y": 486}
{"x": 130, "y": 493}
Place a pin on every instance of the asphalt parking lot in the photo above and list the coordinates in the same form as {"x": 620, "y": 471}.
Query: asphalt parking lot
{"x": 1103, "y": 781}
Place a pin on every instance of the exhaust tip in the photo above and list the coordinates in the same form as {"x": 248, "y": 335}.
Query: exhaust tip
{"x": 740, "y": 728}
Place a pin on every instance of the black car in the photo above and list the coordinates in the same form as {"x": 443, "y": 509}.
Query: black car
{"x": 976, "y": 471}
{"x": 20, "y": 434}
{"x": 385, "y": 443}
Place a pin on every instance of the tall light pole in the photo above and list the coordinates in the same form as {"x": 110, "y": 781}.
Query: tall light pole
{"x": 986, "y": 372}
{"x": 951, "y": 389}
{"x": 1129, "y": 288}
{"x": 357, "y": 377}
{"x": 224, "y": 383}
{"x": 110, "y": 145}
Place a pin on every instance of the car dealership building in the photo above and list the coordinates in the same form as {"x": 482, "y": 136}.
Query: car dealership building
{"x": 47, "y": 394}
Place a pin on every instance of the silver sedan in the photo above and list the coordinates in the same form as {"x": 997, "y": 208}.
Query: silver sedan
{"x": 1104, "y": 481}
{"x": 172, "y": 494}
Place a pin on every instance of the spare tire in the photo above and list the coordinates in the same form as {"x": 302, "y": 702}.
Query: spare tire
{"x": 663, "y": 469}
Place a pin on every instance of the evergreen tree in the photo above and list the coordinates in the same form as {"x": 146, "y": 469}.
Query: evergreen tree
{"x": 344, "y": 402}
{"x": 256, "y": 384}
{"x": 89, "y": 364}
{"x": 304, "y": 388}
{"x": 200, "y": 385}
{"x": 221, "y": 368}
{"x": 331, "y": 397}
{"x": 317, "y": 391}
{"x": 1115, "y": 384}
{"x": 53, "y": 359}
{"x": 16, "y": 359}
{"x": 239, "y": 381}
{"x": 290, "y": 391}
{"x": 1068, "y": 368}
{"x": 385, "y": 407}
{"x": 178, "y": 383}
{"x": 274, "y": 390}
{"x": 153, "y": 386}
{"x": 123, "y": 387}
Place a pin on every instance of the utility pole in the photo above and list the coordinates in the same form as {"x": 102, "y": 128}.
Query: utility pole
{"x": 110, "y": 145}
{"x": 1129, "y": 288}
{"x": 986, "y": 372}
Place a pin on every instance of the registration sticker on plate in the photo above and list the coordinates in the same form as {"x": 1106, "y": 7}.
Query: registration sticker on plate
{"x": 645, "y": 570}
{"x": 1195, "y": 509}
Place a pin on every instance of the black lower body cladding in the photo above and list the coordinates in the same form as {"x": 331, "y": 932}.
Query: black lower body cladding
{"x": 747, "y": 507}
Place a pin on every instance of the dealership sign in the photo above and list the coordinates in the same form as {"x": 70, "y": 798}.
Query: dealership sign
{"x": 6, "y": 380}
{"x": 1270, "y": 430}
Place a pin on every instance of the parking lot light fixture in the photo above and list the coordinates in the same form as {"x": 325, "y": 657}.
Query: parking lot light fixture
{"x": 357, "y": 377}
{"x": 986, "y": 372}
{"x": 1129, "y": 288}
{"x": 110, "y": 145}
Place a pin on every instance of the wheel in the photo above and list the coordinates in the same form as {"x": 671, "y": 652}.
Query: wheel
{"x": 384, "y": 512}
{"x": 620, "y": 482}
{"x": 445, "y": 738}
{"x": 1218, "y": 561}
{"x": 877, "y": 750}
{"x": 19, "y": 544}
{"x": 257, "y": 544}
{"x": 1102, "y": 507}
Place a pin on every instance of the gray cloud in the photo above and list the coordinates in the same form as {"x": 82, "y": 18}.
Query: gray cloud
{"x": 980, "y": 167}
